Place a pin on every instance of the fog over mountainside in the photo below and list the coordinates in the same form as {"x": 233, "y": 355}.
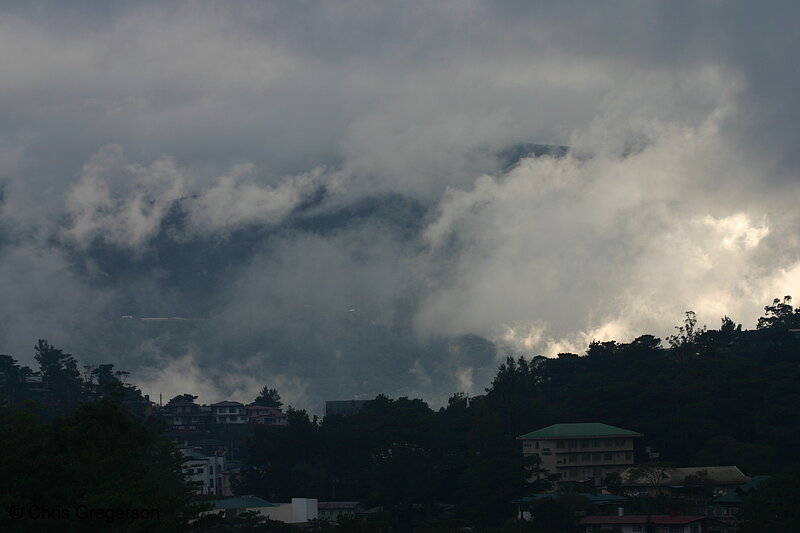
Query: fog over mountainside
{"x": 351, "y": 199}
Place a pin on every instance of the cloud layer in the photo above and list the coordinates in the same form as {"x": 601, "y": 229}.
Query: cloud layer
{"x": 344, "y": 198}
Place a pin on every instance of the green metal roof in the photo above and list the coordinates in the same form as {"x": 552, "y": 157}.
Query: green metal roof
{"x": 591, "y": 429}
{"x": 597, "y": 499}
{"x": 242, "y": 502}
{"x": 741, "y": 492}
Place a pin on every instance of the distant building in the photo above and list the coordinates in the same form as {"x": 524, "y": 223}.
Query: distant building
{"x": 232, "y": 507}
{"x": 228, "y": 412}
{"x": 581, "y": 452}
{"x": 269, "y": 416}
{"x": 183, "y": 415}
{"x": 596, "y": 503}
{"x": 681, "y": 481}
{"x": 299, "y": 511}
{"x": 643, "y": 523}
{"x": 204, "y": 472}
{"x": 333, "y": 510}
{"x": 343, "y": 407}
{"x": 725, "y": 508}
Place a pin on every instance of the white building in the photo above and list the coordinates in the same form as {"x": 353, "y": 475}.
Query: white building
{"x": 228, "y": 412}
{"x": 204, "y": 472}
{"x": 299, "y": 511}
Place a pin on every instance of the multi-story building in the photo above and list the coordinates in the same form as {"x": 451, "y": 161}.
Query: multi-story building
{"x": 183, "y": 415}
{"x": 581, "y": 452}
{"x": 228, "y": 412}
{"x": 270, "y": 416}
{"x": 204, "y": 472}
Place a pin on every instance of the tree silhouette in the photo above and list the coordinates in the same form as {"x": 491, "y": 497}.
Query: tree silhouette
{"x": 268, "y": 398}
{"x": 780, "y": 315}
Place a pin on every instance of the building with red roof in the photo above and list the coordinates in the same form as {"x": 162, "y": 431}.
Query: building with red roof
{"x": 642, "y": 523}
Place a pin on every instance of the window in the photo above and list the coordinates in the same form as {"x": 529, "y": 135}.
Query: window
{"x": 607, "y": 456}
{"x": 560, "y": 444}
{"x": 595, "y": 443}
{"x": 695, "y": 528}
{"x": 537, "y": 444}
{"x": 628, "y": 456}
{"x": 675, "y": 529}
{"x": 596, "y": 456}
{"x": 584, "y": 444}
{"x": 638, "y": 529}
{"x": 587, "y": 457}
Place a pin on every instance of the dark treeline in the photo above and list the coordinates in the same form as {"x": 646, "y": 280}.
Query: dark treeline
{"x": 709, "y": 397}
{"x": 58, "y": 387}
{"x": 704, "y": 397}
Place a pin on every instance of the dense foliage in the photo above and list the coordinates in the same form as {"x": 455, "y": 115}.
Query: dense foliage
{"x": 710, "y": 397}
{"x": 70, "y": 473}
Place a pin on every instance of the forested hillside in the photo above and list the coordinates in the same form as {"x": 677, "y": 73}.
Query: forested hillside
{"x": 704, "y": 397}
{"x": 708, "y": 397}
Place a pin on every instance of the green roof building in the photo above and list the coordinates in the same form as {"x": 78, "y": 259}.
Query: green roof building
{"x": 583, "y": 453}
{"x": 590, "y": 429}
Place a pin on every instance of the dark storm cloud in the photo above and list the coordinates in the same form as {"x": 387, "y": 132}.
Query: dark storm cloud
{"x": 326, "y": 189}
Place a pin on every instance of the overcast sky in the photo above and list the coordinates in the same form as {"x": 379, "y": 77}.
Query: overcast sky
{"x": 326, "y": 186}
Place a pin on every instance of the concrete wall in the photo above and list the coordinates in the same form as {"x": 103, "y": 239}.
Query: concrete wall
{"x": 299, "y": 511}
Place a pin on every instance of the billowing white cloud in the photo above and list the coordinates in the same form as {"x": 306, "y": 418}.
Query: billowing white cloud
{"x": 328, "y": 184}
{"x": 234, "y": 201}
{"x": 608, "y": 244}
{"x": 130, "y": 218}
{"x": 234, "y": 381}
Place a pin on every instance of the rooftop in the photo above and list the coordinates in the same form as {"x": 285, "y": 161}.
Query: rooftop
{"x": 337, "y": 505}
{"x": 743, "y": 491}
{"x": 242, "y": 502}
{"x": 596, "y": 499}
{"x": 641, "y": 519}
{"x": 227, "y": 403}
{"x": 590, "y": 429}
{"x": 672, "y": 477}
